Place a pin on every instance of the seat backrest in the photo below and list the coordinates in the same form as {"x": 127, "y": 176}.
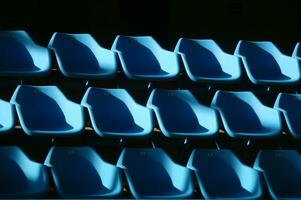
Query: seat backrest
{"x": 260, "y": 58}
{"x": 117, "y": 105}
{"x": 280, "y": 184}
{"x": 154, "y": 168}
{"x": 239, "y": 109}
{"x": 181, "y": 101}
{"x": 141, "y": 54}
{"x": 69, "y": 163}
{"x": 21, "y": 177}
{"x": 37, "y": 103}
{"x": 93, "y": 58}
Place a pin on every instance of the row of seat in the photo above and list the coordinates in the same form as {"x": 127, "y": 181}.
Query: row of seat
{"x": 44, "y": 110}
{"x": 79, "y": 172}
{"x": 142, "y": 58}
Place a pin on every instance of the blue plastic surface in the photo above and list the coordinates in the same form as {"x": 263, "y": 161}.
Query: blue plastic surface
{"x": 114, "y": 113}
{"x": 44, "y": 110}
{"x": 204, "y": 60}
{"x": 297, "y": 51}
{"x": 243, "y": 115}
{"x": 80, "y": 56}
{"x": 142, "y": 58}
{"x": 179, "y": 114}
{"x": 221, "y": 175}
{"x": 7, "y": 117}
{"x": 21, "y": 177}
{"x": 20, "y": 56}
{"x": 79, "y": 172}
{"x": 266, "y": 65}
{"x": 281, "y": 171}
{"x": 290, "y": 106}
{"x": 151, "y": 173}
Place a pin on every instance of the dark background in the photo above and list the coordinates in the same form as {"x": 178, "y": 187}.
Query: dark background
{"x": 226, "y": 21}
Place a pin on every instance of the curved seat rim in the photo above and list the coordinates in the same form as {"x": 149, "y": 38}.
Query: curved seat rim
{"x": 277, "y": 106}
{"x": 12, "y": 118}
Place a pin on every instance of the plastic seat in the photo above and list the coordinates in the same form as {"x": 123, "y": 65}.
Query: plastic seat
{"x": 179, "y": 114}
{"x": 204, "y": 60}
{"x": 142, "y": 58}
{"x": 80, "y": 56}
{"x": 44, "y": 110}
{"x": 221, "y": 175}
{"x": 281, "y": 171}
{"x": 266, "y": 65}
{"x": 151, "y": 173}
{"x": 290, "y": 106}
{"x": 78, "y": 172}
{"x": 20, "y": 56}
{"x": 19, "y": 176}
{"x": 7, "y": 117}
{"x": 243, "y": 115}
{"x": 114, "y": 113}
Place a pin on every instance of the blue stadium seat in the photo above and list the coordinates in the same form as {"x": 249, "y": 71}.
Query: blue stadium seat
{"x": 20, "y": 56}
{"x": 179, "y": 114}
{"x": 78, "y": 172}
{"x": 290, "y": 106}
{"x": 114, "y": 113}
{"x": 80, "y": 56}
{"x": 7, "y": 117}
{"x": 142, "y": 58}
{"x": 19, "y": 176}
{"x": 281, "y": 171}
{"x": 221, "y": 175}
{"x": 266, "y": 65}
{"x": 44, "y": 110}
{"x": 204, "y": 60}
{"x": 151, "y": 173}
{"x": 243, "y": 115}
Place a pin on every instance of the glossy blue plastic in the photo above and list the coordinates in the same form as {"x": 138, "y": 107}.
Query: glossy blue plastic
{"x": 221, "y": 175}
{"x": 151, "y": 173}
{"x": 142, "y": 58}
{"x": 204, "y": 60}
{"x": 19, "y": 176}
{"x": 80, "y": 56}
{"x": 114, "y": 113}
{"x": 243, "y": 115}
{"x": 7, "y": 117}
{"x": 266, "y": 65}
{"x": 179, "y": 114}
{"x": 20, "y": 56}
{"x": 297, "y": 51}
{"x": 44, "y": 110}
{"x": 290, "y": 106}
{"x": 281, "y": 171}
{"x": 79, "y": 172}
